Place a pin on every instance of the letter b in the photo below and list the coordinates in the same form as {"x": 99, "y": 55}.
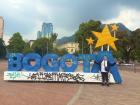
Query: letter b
{"x": 14, "y": 62}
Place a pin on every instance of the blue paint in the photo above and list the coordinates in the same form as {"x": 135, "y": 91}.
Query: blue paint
{"x": 113, "y": 69}
{"x": 31, "y": 57}
{"x": 53, "y": 60}
{"x": 14, "y": 62}
{"x": 116, "y": 75}
{"x": 64, "y": 65}
{"x": 86, "y": 58}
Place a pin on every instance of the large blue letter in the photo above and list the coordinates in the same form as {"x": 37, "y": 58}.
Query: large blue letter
{"x": 73, "y": 60}
{"x": 31, "y": 57}
{"x": 113, "y": 69}
{"x": 14, "y": 62}
{"x": 86, "y": 61}
{"x": 50, "y": 63}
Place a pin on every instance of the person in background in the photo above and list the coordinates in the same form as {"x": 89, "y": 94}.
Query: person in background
{"x": 105, "y": 71}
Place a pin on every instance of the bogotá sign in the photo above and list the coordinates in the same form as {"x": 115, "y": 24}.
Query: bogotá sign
{"x": 52, "y": 67}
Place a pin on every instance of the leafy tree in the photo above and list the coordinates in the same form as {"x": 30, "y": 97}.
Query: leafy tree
{"x": 51, "y": 41}
{"x": 2, "y": 49}
{"x": 44, "y": 45}
{"x": 40, "y": 46}
{"x": 84, "y": 32}
{"x": 27, "y": 49}
{"x": 136, "y": 37}
{"x": 16, "y": 43}
{"x": 126, "y": 46}
{"x": 60, "y": 52}
{"x": 53, "y": 37}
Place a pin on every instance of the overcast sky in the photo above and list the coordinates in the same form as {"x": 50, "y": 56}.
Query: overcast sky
{"x": 27, "y": 16}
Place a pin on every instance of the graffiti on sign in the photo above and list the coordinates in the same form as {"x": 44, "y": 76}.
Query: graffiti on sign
{"x": 14, "y": 75}
{"x": 56, "y": 76}
{"x": 99, "y": 77}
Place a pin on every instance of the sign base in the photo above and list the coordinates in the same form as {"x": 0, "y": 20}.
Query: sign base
{"x": 55, "y": 76}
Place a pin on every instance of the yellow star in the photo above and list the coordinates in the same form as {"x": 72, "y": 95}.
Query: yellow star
{"x": 114, "y": 27}
{"x": 105, "y": 38}
{"x": 90, "y": 41}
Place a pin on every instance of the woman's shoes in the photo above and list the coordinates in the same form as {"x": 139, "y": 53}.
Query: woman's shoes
{"x": 103, "y": 84}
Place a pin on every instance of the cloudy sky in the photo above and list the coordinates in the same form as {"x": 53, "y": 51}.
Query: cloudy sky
{"x": 27, "y": 16}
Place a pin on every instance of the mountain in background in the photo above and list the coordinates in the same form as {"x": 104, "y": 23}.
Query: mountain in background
{"x": 122, "y": 27}
{"x": 64, "y": 40}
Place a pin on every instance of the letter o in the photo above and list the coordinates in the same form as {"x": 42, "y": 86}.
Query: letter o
{"x": 73, "y": 66}
{"x": 29, "y": 57}
{"x": 54, "y": 63}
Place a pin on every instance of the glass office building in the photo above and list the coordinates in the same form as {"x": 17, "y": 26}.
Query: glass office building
{"x": 47, "y": 29}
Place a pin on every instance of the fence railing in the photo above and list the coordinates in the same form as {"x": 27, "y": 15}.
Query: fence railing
{"x": 127, "y": 66}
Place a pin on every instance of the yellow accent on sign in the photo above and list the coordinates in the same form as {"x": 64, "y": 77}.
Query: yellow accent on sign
{"x": 90, "y": 41}
{"x": 114, "y": 27}
{"x": 105, "y": 38}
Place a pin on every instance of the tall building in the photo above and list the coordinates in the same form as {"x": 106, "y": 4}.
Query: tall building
{"x": 47, "y": 29}
{"x": 39, "y": 34}
{"x": 1, "y": 27}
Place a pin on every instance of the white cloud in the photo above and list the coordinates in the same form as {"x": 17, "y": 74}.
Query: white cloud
{"x": 127, "y": 16}
{"x": 63, "y": 32}
{"x": 16, "y": 3}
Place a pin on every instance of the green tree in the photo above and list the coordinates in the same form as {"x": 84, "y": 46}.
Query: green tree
{"x": 27, "y": 49}
{"x": 84, "y": 32}
{"x": 40, "y": 46}
{"x": 51, "y": 41}
{"x": 136, "y": 37}
{"x": 126, "y": 46}
{"x": 16, "y": 43}
{"x": 60, "y": 52}
{"x": 2, "y": 49}
{"x": 53, "y": 37}
{"x": 44, "y": 45}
